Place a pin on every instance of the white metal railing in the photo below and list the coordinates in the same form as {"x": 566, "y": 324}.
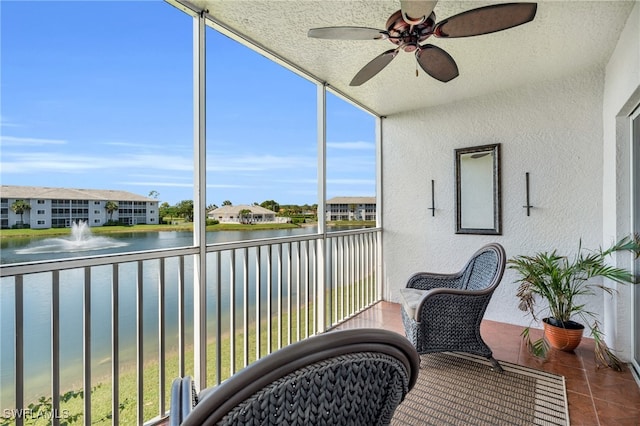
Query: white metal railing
{"x": 134, "y": 313}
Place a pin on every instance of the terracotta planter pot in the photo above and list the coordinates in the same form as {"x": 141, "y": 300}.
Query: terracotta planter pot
{"x": 566, "y": 337}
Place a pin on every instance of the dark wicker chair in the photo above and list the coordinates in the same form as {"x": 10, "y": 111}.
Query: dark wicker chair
{"x": 442, "y": 312}
{"x": 348, "y": 377}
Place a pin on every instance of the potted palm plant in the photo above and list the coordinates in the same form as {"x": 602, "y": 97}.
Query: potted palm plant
{"x": 551, "y": 286}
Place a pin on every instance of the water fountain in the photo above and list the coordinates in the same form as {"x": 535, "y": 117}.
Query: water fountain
{"x": 81, "y": 239}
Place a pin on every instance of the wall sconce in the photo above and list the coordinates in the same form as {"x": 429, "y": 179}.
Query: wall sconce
{"x": 528, "y": 206}
{"x": 433, "y": 202}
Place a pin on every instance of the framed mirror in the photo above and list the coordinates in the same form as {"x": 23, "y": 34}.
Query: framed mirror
{"x": 478, "y": 199}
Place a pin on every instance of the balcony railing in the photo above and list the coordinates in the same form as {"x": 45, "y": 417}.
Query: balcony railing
{"x": 102, "y": 337}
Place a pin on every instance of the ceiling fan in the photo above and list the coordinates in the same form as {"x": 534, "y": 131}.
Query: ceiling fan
{"x": 415, "y": 22}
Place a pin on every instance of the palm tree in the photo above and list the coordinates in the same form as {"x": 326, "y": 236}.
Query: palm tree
{"x": 20, "y": 207}
{"x": 111, "y": 206}
{"x": 244, "y": 215}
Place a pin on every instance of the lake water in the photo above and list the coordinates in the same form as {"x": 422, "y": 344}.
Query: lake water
{"x": 37, "y": 308}
{"x": 18, "y": 250}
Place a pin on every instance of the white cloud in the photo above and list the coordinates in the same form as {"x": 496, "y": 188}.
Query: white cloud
{"x": 351, "y": 181}
{"x": 300, "y": 181}
{"x": 20, "y": 141}
{"x": 6, "y": 122}
{"x": 260, "y": 163}
{"x": 161, "y": 177}
{"x": 360, "y": 145}
{"x": 129, "y": 144}
{"x": 157, "y": 184}
{"x": 152, "y": 184}
{"x": 41, "y": 162}
{"x": 158, "y": 161}
{"x": 226, "y": 185}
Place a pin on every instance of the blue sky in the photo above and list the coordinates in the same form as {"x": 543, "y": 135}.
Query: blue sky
{"x": 98, "y": 95}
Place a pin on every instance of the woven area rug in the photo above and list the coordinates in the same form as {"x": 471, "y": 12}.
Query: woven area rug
{"x": 461, "y": 389}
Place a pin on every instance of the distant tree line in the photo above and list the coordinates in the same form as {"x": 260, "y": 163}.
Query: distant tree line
{"x": 182, "y": 210}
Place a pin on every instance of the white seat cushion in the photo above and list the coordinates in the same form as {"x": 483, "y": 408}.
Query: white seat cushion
{"x": 410, "y": 298}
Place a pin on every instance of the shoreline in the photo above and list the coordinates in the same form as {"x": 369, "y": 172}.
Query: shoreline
{"x": 8, "y": 234}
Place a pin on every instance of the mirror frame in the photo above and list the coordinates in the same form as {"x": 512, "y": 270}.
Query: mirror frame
{"x": 493, "y": 149}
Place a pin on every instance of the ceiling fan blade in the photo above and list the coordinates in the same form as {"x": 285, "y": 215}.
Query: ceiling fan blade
{"x": 374, "y": 67}
{"x": 437, "y": 63}
{"x": 348, "y": 33}
{"x": 485, "y": 20}
{"x": 415, "y": 12}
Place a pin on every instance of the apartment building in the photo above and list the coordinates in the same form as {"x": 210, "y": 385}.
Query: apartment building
{"x": 351, "y": 208}
{"x": 60, "y": 207}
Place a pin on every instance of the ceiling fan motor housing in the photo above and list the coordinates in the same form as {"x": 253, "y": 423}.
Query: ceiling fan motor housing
{"x": 408, "y": 36}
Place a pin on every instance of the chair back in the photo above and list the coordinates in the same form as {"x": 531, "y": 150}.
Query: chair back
{"x": 485, "y": 268}
{"x": 356, "y": 376}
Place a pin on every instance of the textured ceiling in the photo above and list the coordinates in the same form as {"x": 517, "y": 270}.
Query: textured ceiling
{"x": 565, "y": 36}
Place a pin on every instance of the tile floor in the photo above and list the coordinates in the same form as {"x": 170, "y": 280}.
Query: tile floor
{"x": 596, "y": 396}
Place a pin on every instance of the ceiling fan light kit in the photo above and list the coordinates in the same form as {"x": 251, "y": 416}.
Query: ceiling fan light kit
{"x": 416, "y": 21}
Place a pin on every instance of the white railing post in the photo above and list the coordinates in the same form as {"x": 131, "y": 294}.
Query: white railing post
{"x": 258, "y": 275}
{"x": 19, "y": 345}
{"x": 115, "y": 344}
{"x": 161, "y": 337}
{"x": 86, "y": 343}
{"x": 55, "y": 347}
{"x": 139, "y": 341}
{"x": 245, "y": 304}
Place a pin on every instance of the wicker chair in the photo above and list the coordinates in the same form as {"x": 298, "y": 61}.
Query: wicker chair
{"x": 348, "y": 377}
{"x": 442, "y": 312}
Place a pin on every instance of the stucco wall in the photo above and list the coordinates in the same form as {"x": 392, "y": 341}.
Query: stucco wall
{"x": 621, "y": 96}
{"x": 553, "y": 130}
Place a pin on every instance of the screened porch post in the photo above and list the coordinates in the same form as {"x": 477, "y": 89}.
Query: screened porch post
{"x": 379, "y": 219}
{"x": 322, "y": 202}
{"x": 199, "y": 197}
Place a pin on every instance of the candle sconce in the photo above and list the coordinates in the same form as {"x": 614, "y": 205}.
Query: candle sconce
{"x": 528, "y": 206}
{"x": 433, "y": 202}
